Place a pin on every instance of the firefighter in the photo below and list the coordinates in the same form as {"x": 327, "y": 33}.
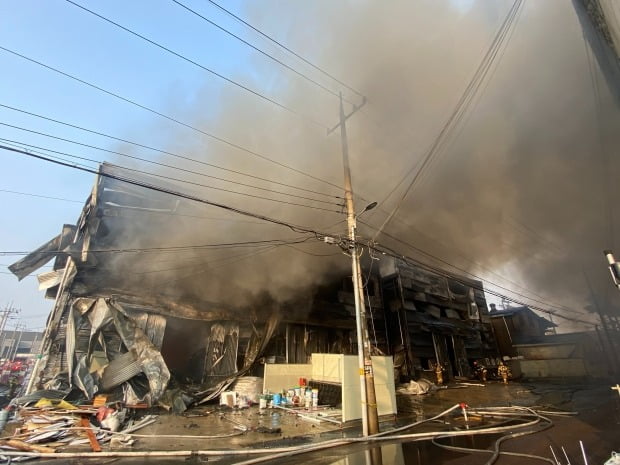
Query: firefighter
{"x": 480, "y": 371}
{"x": 503, "y": 371}
{"x": 439, "y": 373}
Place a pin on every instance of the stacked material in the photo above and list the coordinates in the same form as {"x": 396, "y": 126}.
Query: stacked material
{"x": 54, "y": 424}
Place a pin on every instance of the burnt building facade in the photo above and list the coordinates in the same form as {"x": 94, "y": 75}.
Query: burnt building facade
{"x": 432, "y": 317}
{"x": 127, "y": 324}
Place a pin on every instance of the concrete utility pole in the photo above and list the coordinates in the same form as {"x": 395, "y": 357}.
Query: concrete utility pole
{"x": 5, "y": 315}
{"x": 370, "y": 418}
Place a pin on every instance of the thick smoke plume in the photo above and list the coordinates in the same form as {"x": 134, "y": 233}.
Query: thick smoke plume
{"x": 522, "y": 195}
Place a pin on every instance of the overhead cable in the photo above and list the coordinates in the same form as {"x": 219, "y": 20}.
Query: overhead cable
{"x": 387, "y": 251}
{"x": 135, "y": 182}
{"x": 152, "y": 162}
{"x": 39, "y": 196}
{"x": 162, "y": 176}
{"x": 166, "y": 152}
{"x": 280, "y": 44}
{"x": 195, "y": 63}
{"x": 458, "y": 112}
{"x": 173, "y": 119}
{"x": 252, "y": 46}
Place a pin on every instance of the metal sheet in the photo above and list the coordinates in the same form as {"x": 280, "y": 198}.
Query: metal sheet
{"x": 151, "y": 361}
{"x": 49, "y": 279}
{"x": 120, "y": 370}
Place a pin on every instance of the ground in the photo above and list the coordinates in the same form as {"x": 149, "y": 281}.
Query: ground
{"x": 596, "y": 423}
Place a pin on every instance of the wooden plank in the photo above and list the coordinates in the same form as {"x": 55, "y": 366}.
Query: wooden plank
{"x": 94, "y": 444}
{"x": 21, "y": 445}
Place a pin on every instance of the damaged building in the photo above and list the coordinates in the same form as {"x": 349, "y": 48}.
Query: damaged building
{"x": 115, "y": 329}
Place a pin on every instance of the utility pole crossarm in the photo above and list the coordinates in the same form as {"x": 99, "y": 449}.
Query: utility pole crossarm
{"x": 356, "y": 108}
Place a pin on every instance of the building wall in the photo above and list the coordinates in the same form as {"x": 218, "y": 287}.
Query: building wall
{"x": 552, "y": 368}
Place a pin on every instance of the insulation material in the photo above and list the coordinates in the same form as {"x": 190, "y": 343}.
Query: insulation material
{"x": 70, "y": 338}
{"x": 49, "y": 279}
{"x": 222, "y": 347}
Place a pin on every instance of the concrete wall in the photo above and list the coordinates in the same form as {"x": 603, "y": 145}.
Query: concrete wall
{"x": 546, "y": 351}
{"x": 553, "y": 368}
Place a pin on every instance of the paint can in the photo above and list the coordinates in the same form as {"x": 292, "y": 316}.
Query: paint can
{"x": 262, "y": 403}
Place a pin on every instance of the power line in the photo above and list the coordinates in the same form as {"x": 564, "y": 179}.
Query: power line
{"x": 165, "y": 152}
{"x": 168, "y": 178}
{"x": 170, "y": 118}
{"x": 195, "y": 63}
{"x": 286, "y": 48}
{"x": 479, "y": 265}
{"x": 291, "y": 226}
{"x": 280, "y": 62}
{"x": 216, "y": 260}
{"x": 133, "y": 211}
{"x": 152, "y": 162}
{"x": 440, "y": 260}
{"x": 172, "y": 248}
{"x": 394, "y": 254}
{"x": 39, "y": 196}
{"x": 459, "y": 110}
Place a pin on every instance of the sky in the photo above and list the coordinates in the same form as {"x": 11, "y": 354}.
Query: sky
{"x": 412, "y": 60}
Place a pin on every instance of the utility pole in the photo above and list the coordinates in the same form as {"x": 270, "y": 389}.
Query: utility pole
{"x": 370, "y": 418}
{"x": 6, "y": 314}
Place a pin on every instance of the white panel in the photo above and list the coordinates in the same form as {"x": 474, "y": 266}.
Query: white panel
{"x": 283, "y": 376}
{"x": 326, "y": 367}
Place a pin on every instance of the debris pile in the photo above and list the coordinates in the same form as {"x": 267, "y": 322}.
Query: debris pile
{"x": 47, "y": 424}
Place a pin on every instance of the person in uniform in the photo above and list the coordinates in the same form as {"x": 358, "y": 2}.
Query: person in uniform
{"x": 503, "y": 371}
{"x": 439, "y": 373}
{"x": 480, "y": 371}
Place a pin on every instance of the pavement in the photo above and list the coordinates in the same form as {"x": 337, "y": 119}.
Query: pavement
{"x": 596, "y": 424}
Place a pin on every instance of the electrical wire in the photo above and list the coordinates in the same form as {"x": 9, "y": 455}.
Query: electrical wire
{"x": 477, "y": 264}
{"x": 291, "y": 226}
{"x": 392, "y": 253}
{"x": 458, "y": 112}
{"x": 172, "y": 119}
{"x": 280, "y": 62}
{"x": 165, "y": 152}
{"x": 466, "y": 272}
{"x": 169, "y": 178}
{"x": 152, "y": 162}
{"x": 39, "y": 196}
{"x": 195, "y": 63}
{"x": 280, "y": 44}
{"x": 178, "y": 248}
